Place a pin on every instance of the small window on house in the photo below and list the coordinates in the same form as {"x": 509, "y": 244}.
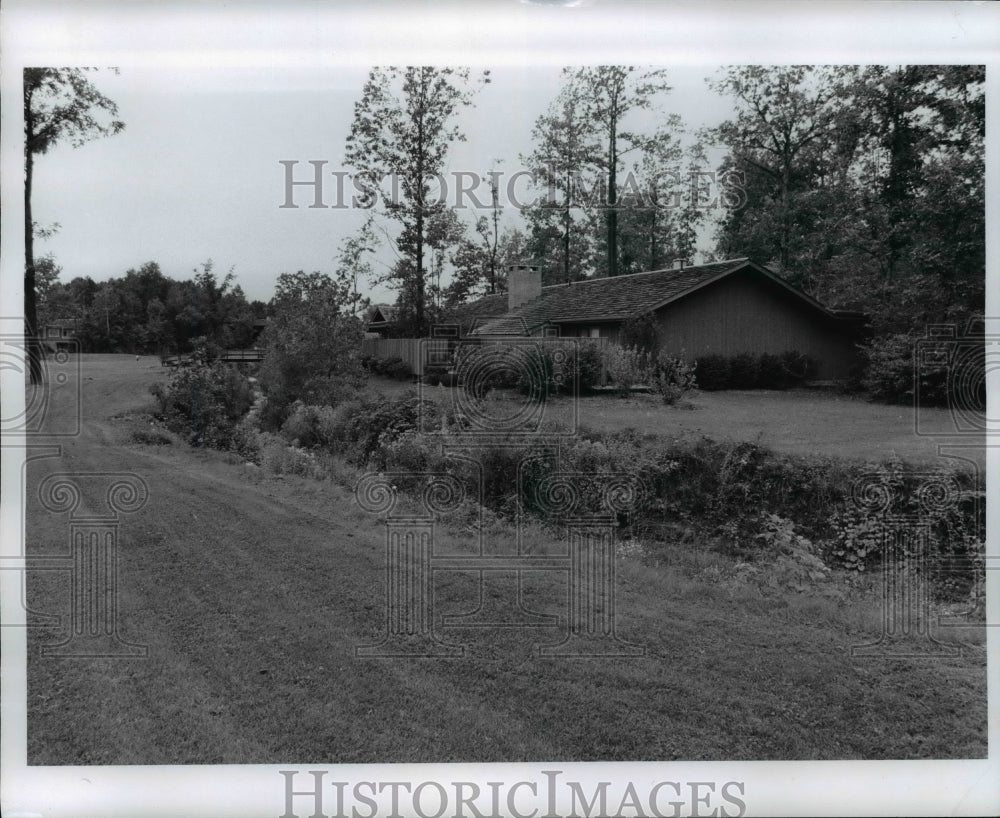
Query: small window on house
{"x": 595, "y": 332}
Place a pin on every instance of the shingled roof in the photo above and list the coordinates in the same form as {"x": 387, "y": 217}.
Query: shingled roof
{"x": 477, "y": 312}
{"x": 614, "y": 299}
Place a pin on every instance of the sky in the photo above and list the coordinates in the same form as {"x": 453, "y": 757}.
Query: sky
{"x": 196, "y": 173}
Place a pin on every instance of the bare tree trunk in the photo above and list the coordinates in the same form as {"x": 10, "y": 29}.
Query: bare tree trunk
{"x": 613, "y": 198}
{"x": 33, "y": 346}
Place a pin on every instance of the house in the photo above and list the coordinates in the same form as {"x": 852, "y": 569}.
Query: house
{"x": 725, "y": 307}
{"x": 382, "y": 320}
{"x": 59, "y": 335}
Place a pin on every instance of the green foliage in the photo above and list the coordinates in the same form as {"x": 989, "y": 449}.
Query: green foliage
{"x": 204, "y": 403}
{"x": 890, "y": 375}
{"x": 771, "y": 373}
{"x": 641, "y": 332}
{"x": 397, "y": 368}
{"x": 404, "y": 125}
{"x": 312, "y": 344}
{"x": 747, "y": 371}
{"x": 857, "y": 540}
{"x": 482, "y": 368}
{"x": 540, "y": 370}
{"x": 862, "y": 184}
{"x": 626, "y": 367}
{"x": 588, "y": 366}
{"x": 795, "y": 512}
{"x": 744, "y": 371}
{"x": 145, "y": 311}
{"x": 432, "y": 374}
{"x": 538, "y": 377}
{"x": 673, "y": 378}
{"x": 798, "y": 367}
{"x": 713, "y": 372}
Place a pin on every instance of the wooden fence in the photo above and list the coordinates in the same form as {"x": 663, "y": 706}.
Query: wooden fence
{"x": 414, "y": 351}
{"x": 231, "y": 356}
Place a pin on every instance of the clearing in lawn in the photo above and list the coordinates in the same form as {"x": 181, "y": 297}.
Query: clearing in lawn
{"x": 253, "y": 590}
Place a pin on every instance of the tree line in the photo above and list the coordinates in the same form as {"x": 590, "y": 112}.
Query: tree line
{"x": 862, "y": 184}
{"x": 145, "y": 311}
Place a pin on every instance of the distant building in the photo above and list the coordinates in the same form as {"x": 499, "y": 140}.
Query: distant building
{"x": 59, "y": 335}
{"x": 382, "y": 320}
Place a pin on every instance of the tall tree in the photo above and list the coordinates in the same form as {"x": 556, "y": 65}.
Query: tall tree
{"x": 480, "y": 266}
{"x": 312, "y": 343}
{"x": 782, "y": 124}
{"x": 59, "y": 103}
{"x": 403, "y": 125}
{"x": 353, "y": 262}
{"x": 864, "y": 184}
{"x": 564, "y": 156}
{"x": 612, "y": 92}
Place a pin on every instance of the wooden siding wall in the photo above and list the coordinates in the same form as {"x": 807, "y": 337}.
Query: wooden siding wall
{"x": 742, "y": 315}
{"x": 419, "y": 352}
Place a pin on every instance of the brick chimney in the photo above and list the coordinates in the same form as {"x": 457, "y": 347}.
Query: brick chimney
{"x": 524, "y": 283}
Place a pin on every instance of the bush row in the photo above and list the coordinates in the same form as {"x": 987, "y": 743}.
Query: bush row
{"x": 748, "y": 371}
{"x": 387, "y": 367}
{"x": 730, "y": 492}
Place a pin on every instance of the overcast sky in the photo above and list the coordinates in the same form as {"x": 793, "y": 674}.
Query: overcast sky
{"x": 196, "y": 173}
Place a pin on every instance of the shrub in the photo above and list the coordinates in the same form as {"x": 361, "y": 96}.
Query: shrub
{"x": 432, "y": 374}
{"x": 335, "y": 425}
{"x": 798, "y": 366}
{"x": 626, "y": 367}
{"x": 380, "y": 423}
{"x": 673, "y": 379}
{"x": 539, "y": 377}
{"x": 744, "y": 371}
{"x": 772, "y": 374}
{"x": 396, "y": 368}
{"x": 588, "y": 366}
{"x": 713, "y": 372}
{"x": 301, "y": 427}
{"x": 482, "y": 368}
{"x": 203, "y": 403}
{"x": 889, "y": 373}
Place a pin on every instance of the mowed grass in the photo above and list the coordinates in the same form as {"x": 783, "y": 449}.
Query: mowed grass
{"x": 253, "y": 591}
{"x": 797, "y": 421}
{"x": 252, "y": 659}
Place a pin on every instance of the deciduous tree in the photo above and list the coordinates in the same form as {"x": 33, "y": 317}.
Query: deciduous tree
{"x": 59, "y": 104}
{"x": 403, "y": 126}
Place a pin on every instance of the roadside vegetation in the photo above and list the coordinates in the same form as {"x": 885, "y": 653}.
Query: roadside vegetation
{"x": 739, "y": 498}
{"x": 725, "y": 577}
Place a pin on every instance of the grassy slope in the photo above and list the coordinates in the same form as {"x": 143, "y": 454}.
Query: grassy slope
{"x": 252, "y": 592}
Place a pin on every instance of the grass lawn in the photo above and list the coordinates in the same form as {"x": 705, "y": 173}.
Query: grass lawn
{"x": 797, "y": 421}
{"x": 253, "y": 590}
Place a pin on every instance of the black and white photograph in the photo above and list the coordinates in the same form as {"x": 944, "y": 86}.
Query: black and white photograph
{"x": 506, "y": 409}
